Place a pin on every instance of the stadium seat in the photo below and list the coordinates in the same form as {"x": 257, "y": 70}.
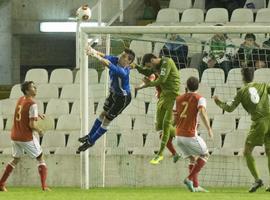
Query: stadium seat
{"x": 168, "y": 16}
{"x": 185, "y": 73}
{"x": 199, "y": 4}
{"x": 112, "y": 139}
{"x": 234, "y": 78}
{"x": 1, "y": 123}
{"x": 238, "y": 112}
{"x": 7, "y": 107}
{"x": 135, "y": 78}
{"x": 263, "y": 15}
{"x": 144, "y": 124}
{"x": 235, "y": 143}
{"x": 212, "y": 109}
{"x": 146, "y": 94}
{"x": 152, "y": 140}
{"x": 212, "y": 144}
{"x": 262, "y": 75}
{"x": 39, "y": 76}
{"x": 131, "y": 140}
{"x": 16, "y": 92}
{"x": 205, "y": 91}
{"x": 193, "y": 16}
{"x": 92, "y": 76}
{"x": 70, "y": 92}
{"x": 60, "y": 77}
{"x": 57, "y": 107}
{"x": 98, "y": 91}
{"x": 213, "y": 77}
{"x": 225, "y": 93}
{"x": 180, "y": 5}
{"x": 64, "y": 123}
{"x": 72, "y": 141}
{"x": 223, "y": 124}
{"x": 140, "y": 47}
{"x": 75, "y": 110}
{"x": 5, "y": 141}
{"x": 242, "y": 15}
{"x": 8, "y": 125}
{"x": 217, "y": 15}
{"x": 258, "y": 4}
{"x": 244, "y": 125}
{"x": 51, "y": 141}
{"x": 40, "y": 106}
{"x": 45, "y": 92}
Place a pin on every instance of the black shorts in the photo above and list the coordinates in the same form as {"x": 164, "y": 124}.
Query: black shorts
{"x": 115, "y": 104}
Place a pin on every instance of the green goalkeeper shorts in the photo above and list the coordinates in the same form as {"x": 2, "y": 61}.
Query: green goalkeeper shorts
{"x": 259, "y": 133}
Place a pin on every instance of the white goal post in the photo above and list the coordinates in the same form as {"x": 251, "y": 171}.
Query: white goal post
{"x": 85, "y": 31}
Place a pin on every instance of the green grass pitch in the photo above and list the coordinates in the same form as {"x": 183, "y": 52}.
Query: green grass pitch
{"x": 149, "y": 193}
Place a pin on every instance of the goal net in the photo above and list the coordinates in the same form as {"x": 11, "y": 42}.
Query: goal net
{"x": 213, "y": 54}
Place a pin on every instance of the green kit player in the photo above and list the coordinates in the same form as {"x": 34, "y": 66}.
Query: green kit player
{"x": 169, "y": 82}
{"x": 254, "y": 98}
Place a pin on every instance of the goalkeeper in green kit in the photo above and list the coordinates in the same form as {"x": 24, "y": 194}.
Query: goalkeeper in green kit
{"x": 254, "y": 98}
{"x": 169, "y": 82}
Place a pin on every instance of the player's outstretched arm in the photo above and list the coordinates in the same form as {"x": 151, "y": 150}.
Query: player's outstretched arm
{"x": 205, "y": 119}
{"x": 92, "y": 52}
{"x": 225, "y": 106}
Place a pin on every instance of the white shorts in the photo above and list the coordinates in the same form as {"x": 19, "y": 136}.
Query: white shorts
{"x": 191, "y": 146}
{"x": 32, "y": 148}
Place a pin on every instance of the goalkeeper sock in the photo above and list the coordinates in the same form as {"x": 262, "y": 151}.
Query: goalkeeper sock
{"x": 197, "y": 168}
{"x": 251, "y": 166}
{"x": 100, "y": 131}
{"x": 95, "y": 126}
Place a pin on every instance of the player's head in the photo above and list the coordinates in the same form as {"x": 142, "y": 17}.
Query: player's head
{"x": 126, "y": 57}
{"x": 247, "y": 74}
{"x": 148, "y": 60}
{"x": 192, "y": 84}
{"x": 28, "y": 88}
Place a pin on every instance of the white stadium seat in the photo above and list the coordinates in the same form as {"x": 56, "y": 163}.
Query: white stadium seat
{"x": 39, "y": 76}
{"x": 242, "y": 15}
{"x": 168, "y": 15}
{"x": 217, "y": 15}
{"x": 180, "y": 5}
{"x": 60, "y": 77}
{"x": 193, "y": 15}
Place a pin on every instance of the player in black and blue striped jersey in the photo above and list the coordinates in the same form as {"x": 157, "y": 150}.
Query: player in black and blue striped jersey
{"x": 119, "y": 96}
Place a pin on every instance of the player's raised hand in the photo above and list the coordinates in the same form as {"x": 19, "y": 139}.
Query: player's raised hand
{"x": 91, "y": 52}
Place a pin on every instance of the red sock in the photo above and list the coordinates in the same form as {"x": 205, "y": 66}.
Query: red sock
{"x": 196, "y": 169}
{"x": 169, "y": 145}
{"x": 42, "y": 170}
{"x": 6, "y": 174}
{"x": 195, "y": 178}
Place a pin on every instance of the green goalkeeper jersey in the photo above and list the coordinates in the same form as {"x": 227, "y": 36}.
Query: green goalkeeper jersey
{"x": 253, "y": 97}
{"x": 169, "y": 77}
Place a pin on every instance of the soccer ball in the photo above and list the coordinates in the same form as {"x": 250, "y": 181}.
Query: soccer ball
{"x": 83, "y": 13}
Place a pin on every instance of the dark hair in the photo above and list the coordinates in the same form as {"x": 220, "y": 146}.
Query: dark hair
{"x": 25, "y": 86}
{"x": 131, "y": 54}
{"x": 250, "y": 35}
{"x": 247, "y": 74}
{"x": 147, "y": 58}
{"x": 192, "y": 83}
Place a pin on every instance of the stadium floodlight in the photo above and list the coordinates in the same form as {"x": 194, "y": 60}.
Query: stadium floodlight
{"x": 142, "y": 33}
